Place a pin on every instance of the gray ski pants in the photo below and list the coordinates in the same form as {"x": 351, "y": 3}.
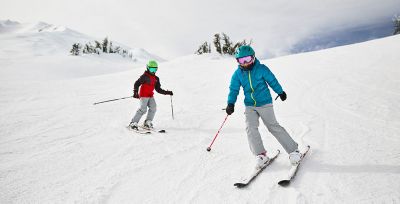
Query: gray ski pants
{"x": 267, "y": 115}
{"x": 144, "y": 103}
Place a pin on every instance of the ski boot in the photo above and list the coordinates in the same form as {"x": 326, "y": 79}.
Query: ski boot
{"x": 261, "y": 159}
{"x": 133, "y": 126}
{"x": 148, "y": 125}
{"x": 295, "y": 157}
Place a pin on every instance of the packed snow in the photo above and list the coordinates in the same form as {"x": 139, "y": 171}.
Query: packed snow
{"x": 57, "y": 147}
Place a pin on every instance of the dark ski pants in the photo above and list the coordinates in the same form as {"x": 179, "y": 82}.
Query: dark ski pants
{"x": 267, "y": 115}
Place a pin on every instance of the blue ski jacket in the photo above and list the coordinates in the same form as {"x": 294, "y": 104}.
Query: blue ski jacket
{"x": 255, "y": 85}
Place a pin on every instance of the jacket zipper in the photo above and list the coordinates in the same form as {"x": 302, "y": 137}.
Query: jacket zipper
{"x": 252, "y": 91}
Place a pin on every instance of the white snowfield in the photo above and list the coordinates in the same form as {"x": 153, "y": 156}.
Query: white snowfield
{"x": 57, "y": 147}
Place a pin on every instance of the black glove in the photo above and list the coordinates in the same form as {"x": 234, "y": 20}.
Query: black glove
{"x": 169, "y": 93}
{"x": 135, "y": 94}
{"x": 283, "y": 96}
{"x": 230, "y": 109}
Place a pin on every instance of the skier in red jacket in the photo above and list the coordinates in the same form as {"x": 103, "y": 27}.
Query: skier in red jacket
{"x": 147, "y": 83}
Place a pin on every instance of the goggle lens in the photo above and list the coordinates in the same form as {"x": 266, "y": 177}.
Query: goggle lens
{"x": 245, "y": 60}
{"x": 153, "y": 69}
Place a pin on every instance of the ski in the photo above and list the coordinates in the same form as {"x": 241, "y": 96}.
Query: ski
{"x": 141, "y": 131}
{"x": 153, "y": 129}
{"x": 256, "y": 172}
{"x": 292, "y": 171}
{"x": 145, "y": 132}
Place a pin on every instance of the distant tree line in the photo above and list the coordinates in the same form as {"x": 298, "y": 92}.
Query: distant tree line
{"x": 396, "y": 22}
{"x": 223, "y": 45}
{"x": 106, "y": 46}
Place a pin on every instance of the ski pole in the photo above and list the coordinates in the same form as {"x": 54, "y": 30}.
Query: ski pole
{"x": 112, "y": 100}
{"x": 209, "y": 147}
{"x": 172, "y": 109}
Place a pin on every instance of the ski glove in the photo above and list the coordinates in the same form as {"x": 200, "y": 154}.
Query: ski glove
{"x": 283, "y": 96}
{"x": 135, "y": 94}
{"x": 230, "y": 109}
{"x": 169, "y": 93}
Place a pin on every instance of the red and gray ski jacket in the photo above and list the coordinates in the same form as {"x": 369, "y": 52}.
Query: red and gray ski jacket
{"x": 147, "y": 83}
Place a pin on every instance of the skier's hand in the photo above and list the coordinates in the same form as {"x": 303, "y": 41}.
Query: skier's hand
{"x": 169, "y": 93}
{"x": 230, "y": 109}
{"x": 283, "y": 96}
{"x": 135, "y": 94}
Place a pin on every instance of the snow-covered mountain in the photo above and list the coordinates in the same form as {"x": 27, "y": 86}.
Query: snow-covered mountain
{"x": 56, "y": 147}
{"x": 37, "y": 39}
{"x": 46, "y": 43}
{"x": 343, "y": 36}
{"x": 7, "y": 26}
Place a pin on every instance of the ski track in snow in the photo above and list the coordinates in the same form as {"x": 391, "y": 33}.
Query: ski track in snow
{"x": 56, "y": 147}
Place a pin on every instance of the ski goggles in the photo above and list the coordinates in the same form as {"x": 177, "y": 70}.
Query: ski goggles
{"x": 153, "y": 69}
{"x": 245, "y": 60}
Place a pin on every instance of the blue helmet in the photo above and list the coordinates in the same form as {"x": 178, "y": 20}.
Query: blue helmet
{"x": 243, "y": 51}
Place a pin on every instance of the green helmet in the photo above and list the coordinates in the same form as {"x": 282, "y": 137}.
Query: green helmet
{"x": 152, "y": 63}
{"x": 243, "y": 51}
{"x": 152, "y": 66}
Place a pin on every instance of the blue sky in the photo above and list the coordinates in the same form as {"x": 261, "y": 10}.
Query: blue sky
{"x": 177, "y": 27}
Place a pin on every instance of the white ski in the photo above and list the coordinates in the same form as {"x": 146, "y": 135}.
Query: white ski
{"x": 292, "y": 171}
{"x": 140, "y": 131}
{"x": 256, "y": 172}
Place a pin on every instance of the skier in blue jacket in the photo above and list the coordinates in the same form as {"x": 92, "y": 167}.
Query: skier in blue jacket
{"x": 255, "y": 78}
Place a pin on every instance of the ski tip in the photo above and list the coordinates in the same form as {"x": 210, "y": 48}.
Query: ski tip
{"x": 240, "y": 185}
{"x": 284, "y": 183}
{"x": 307, "y": 148}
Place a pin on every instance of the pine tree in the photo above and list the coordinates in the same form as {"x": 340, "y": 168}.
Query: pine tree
{"x": 76, "y": 49}
{"x": 199, "y": 51}
{"x": 124, "y": 53}
{"x": 227, "y": 46}
{"x": 396, "y": 22}
{"x": 92, "y": 49}
{"x": 85, "y": 49}
{"x": 117, "y": 49}
{"x": 88, "y": 48}
{"x": 217, "y": 43}
{"x": 105, "y": 45}
{"x": 111, "y": 49}
{"x": 238, "y": 44}
{"x": 204, "y": 48}
{"x": 97, "y": 44}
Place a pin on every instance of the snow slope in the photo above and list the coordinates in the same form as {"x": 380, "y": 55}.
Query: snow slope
{"x": 56, "y": 147}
